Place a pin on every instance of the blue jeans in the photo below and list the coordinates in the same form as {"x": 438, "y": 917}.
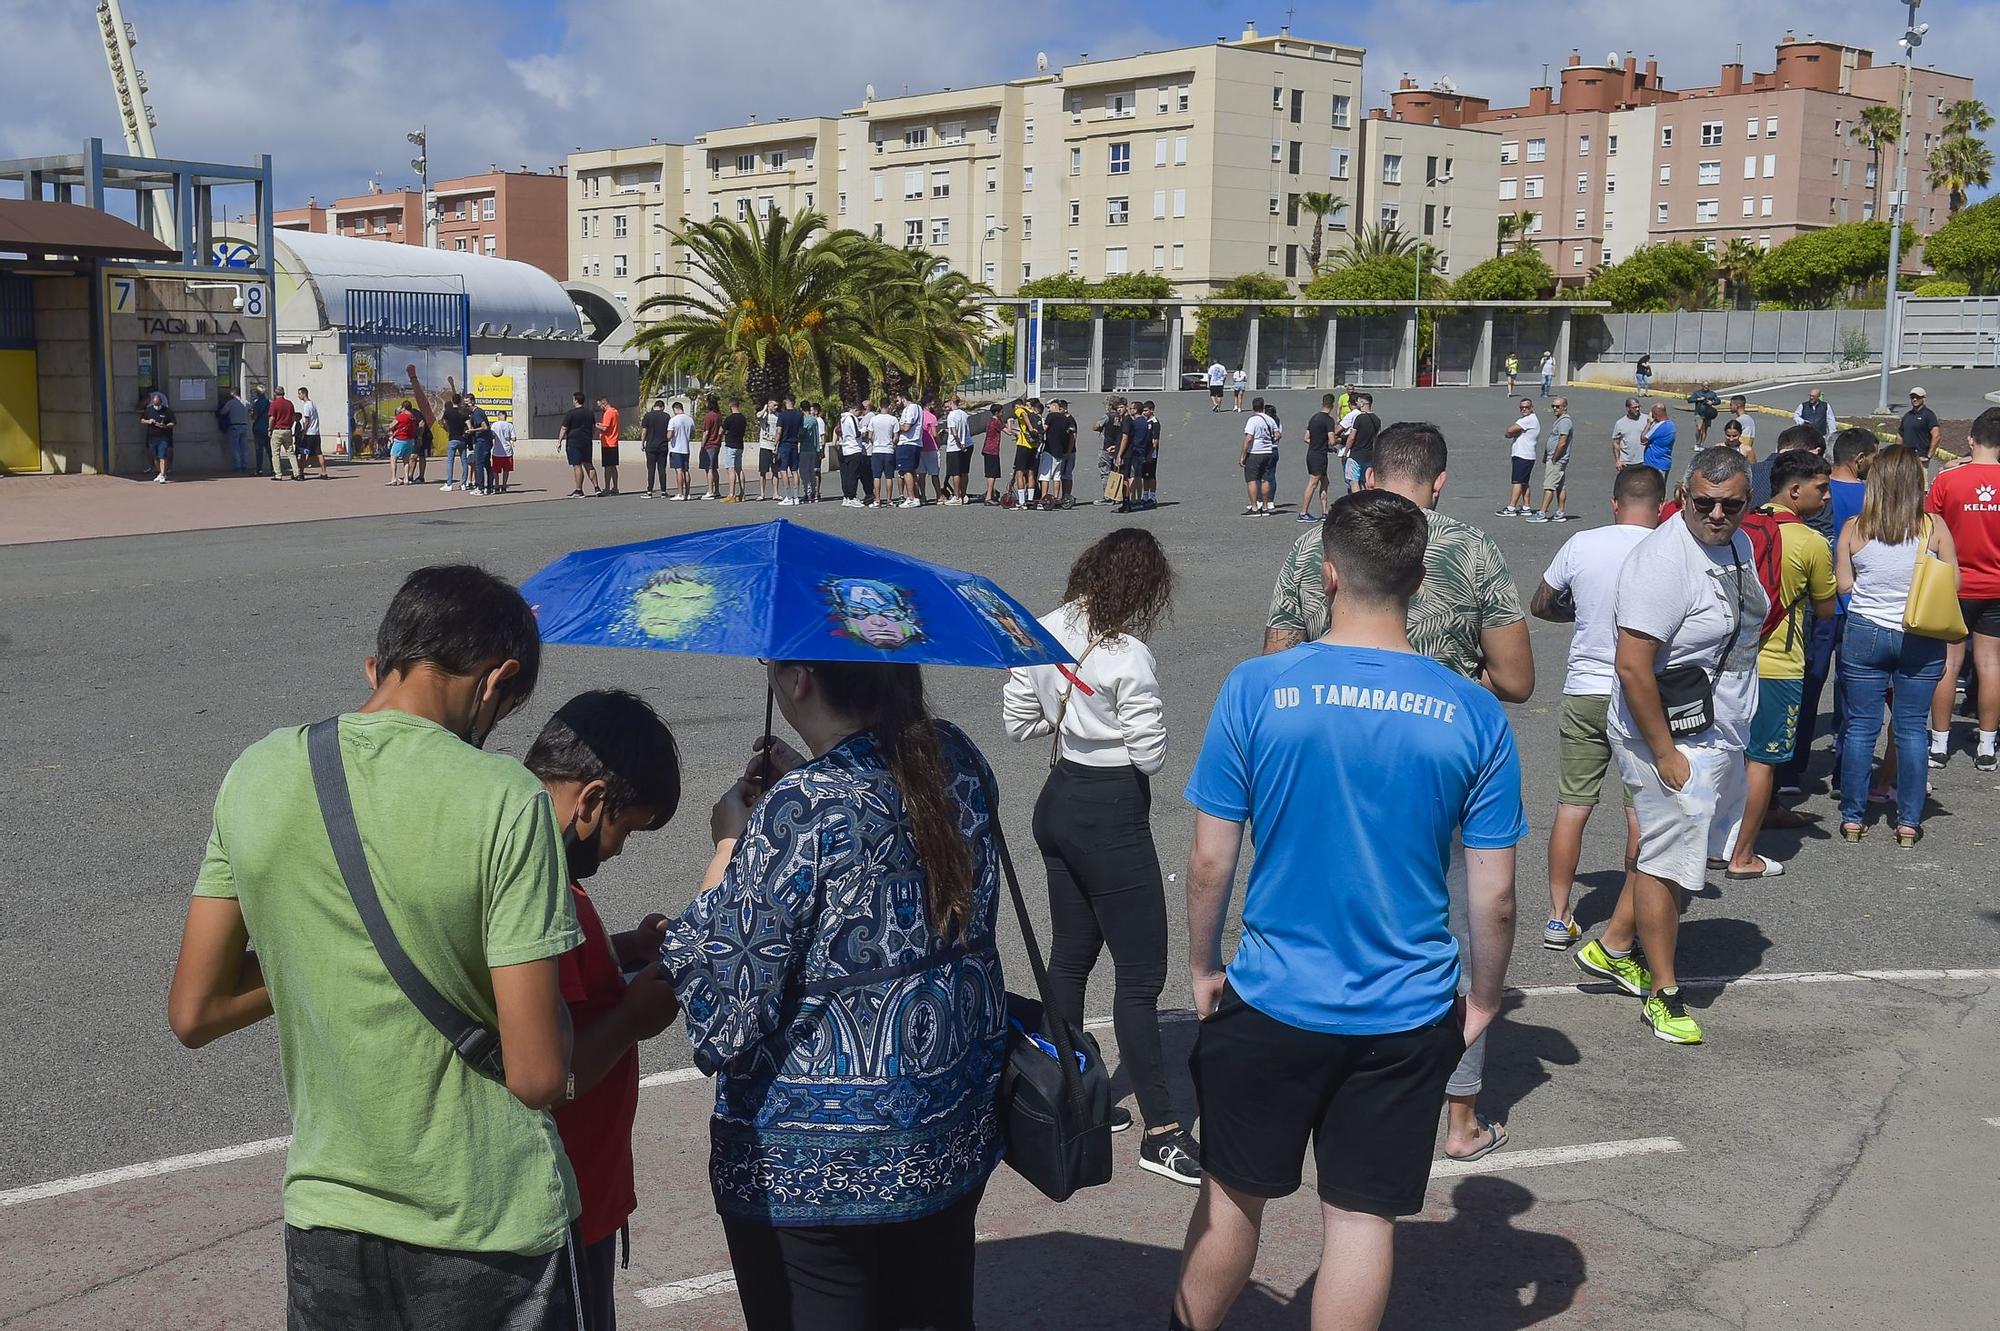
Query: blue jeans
{"x": 1873, "y": 661}
{"x": 452, "y": 454}
{"x": 239, "y": 447}
{"x": 479, "y": 475}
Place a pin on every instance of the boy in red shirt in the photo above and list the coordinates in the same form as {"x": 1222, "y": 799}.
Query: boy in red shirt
{"x": 1966, "y": 499}
{"x": 607, "y": 438}
{"x": 611, "y": 769}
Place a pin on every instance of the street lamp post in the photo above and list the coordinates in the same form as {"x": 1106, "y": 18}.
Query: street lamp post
{"x": 1429, "y": 185}
{"x": 421, "y": 164}
{"x": 1913, "y": 37}
{"x": 989, "y": 234}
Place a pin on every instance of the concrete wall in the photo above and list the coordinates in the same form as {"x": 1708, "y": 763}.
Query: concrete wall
{"x": 63, "y": 358}
{"x": 186, "y": 327}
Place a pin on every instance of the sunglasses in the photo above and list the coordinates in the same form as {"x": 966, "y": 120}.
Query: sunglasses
{"x": 1709, "y": 503}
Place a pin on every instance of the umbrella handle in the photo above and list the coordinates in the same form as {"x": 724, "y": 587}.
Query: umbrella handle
{"x": 770, "y": 740}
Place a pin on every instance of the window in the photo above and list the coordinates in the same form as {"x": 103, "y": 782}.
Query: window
{"x": 1770, "y": 165}
{"x": 1160, "y": 151}
{"x": 618, "y": 225}
{"x": 1392, "y": 168}
{"x": 1276, "y": 206}
{"x": 1868, "y": 176}
{"x": 1610, "y": 145}
{"x": 715, "y": 205}
{"x": 1114, "y": 260}
{"x": 1660, "y": 214}
{"x": 659, "y": 261}
{"x": 1534, "y": 224}
{"x": 1583, "y": 145}
{"x": 460, "y": 213}
{"x": 1582, "y": 219}
{"x": 917, "y": 137}
{"x": 1121, "y": 159}
{"x": 1430, "y": 219}
{"x": 1181, "y": 100}
{"x": 1750, "y": 166}
{"x": 1122, "y": 103}
{"x": 1271, "y": 255}
{"x": 1298, "y": 110}
{"x": 1538, "y": 150}
{"x": 1666, "y": 173}
{"x": 1770, "y": 127}
{"x": 1075, "y": 212}
{"x": 743, "y": 210}
{"x": 1711, "y": 133}
{"x": 1292, "y": 156}
{"x": 1028, "y": 130}
{"x": 763, "y": 206}
{"x": 1159, "y": 203}
{"x": 1764, "y": 206}
{"x": 1027, "y": 272}
{"x": 1159, "y": 256}
{"x": 1610, "y": 184}
{"x": 1277, "y": 99}
{"x": 1180, "y": 150}
{"x": 1180, "y": 256}
{"x": 1180, "y": 203}
{"x": 1608, "y": 256}
{"x": 879, "y": 186}
{"x": 913, "y": 184}
{"x": 1444, "y": 216}
{"x": 1291, "y": 210}
{"x": 1707, "y": 210}
{"x": 1868, "y": 210}
{"x": 582, "y": 226}
{"x": 952, "y": 131}
{"x": 992, "y": 180}
{"x": 1749, "y": 206}
{"x": 1027, "y": 226}
{"x": 940, "y": 231}
{"x": 1391, "y": 212}
{"x": 774, "y": 160}
{"x": 1277, "y": 151}
{"x": 1343, "y": 111}
{"x": 1666, "y": 136}
{"x": 1509, "y": 188}
{"x": 1027, "y": 179}
{"x": 1576, "y": 256}
{"x": 1075, "y": 264}
{"x": 1337, "y": 164}
{"x": 1076, "y": 161}
{"x": 940, "y": 184}
{"x": 746, "y": 163}
{"x": 617, "y": 264}
{"x": 1444, "y": 263}
{"x": 1582, "y": 182}
{"x": 1509, "y": 153}
{"x": 809, "y": 152}
{"x": 988, "y": 272}
{"x": 1166, "y": 95}
{"x": 486, "y": 209}
{"x": 1708, "y": 173}
{"x": 1531, "y": 188}
{"x": 913, "y": 232}
{"x": 1291, "y": 261}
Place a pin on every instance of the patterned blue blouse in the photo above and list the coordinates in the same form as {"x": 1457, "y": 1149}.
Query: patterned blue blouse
{"x": 857, "y": 1055}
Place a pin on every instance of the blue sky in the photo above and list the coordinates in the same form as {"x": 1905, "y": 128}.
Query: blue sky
{"x": 328, "y": 87}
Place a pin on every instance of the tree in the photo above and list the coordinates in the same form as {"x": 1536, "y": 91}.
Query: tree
{"x": 1376, "y": 242}
{"x": 1967, "y": 248}
{"x": 1877, "y": 131}
{"x": 1942, "y": 287}
{"x": 1515, "y": 226}
{"x": 1657, "y": 278}
{"x": 1245, "y": 286}
{"x": 1737, "y": 267}
{"x": 1522, "y": 275}
{"x": 1320, "y": 206}
{"x": 1147, "y": 287}
{"x": 1811, "y": 269}
{"x": 1064, "y": 286}
{"x": 1959, "y": 165}
{"x": 1967, "y": 117}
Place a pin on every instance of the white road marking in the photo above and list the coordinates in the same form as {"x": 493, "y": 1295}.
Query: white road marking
{"x": 1993, "y": 1122}
{"x": 1503, "y": 1159}
{"x": 173, "y": 1164}
{"x": 687, "y": 1291}
{"x": 222, "y": 1155}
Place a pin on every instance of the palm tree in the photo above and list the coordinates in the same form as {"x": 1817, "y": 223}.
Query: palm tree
{"x": 1514, "y": 226}
{"x": 1966, "y": 117}
{"x": 1959, "y": 165}
{"x": 925, "y": 323}
{"x": 1737, "y": 267}
{"x": 1375, "y": 242}
{"x": 1877, "y": 131}
{"x": 1322, "y": 206}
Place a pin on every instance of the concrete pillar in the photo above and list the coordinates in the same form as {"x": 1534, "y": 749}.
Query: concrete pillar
{"x": 1564, "y": 318}
{"x": 1256, "y": 380}
{"x": 1328, "y": 362}
{"x": 1406, "y": 353}
{"x": 1482, "y": 355}
{"x": 1094, "y": 375}
{"x": 1175, "y": 333}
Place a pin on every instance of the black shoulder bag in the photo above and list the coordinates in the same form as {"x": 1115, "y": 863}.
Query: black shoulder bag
{"x": 1055, "y": 1093}
{"x": 1687, "y": 692}
{"x": 477, "y": 1043}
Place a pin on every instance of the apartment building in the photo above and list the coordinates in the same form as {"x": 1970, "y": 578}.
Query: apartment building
{"x": 394, "y": 215}
{"x": 1437, "y": 182}
{"x": 621, "y": 203}
{"x": 1617, "y": 160}
{"x": 519, "y": 215}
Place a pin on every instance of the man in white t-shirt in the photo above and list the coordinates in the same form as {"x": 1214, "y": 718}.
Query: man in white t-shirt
{"x": 851, "y": 438}
{"x": 1260, "y": 460}
{"x": 1689, "y": 609}
{"x": 767, "y": 451}
{"x": 957, "y": 451}
{"x": 1628, "y": 436}
{"x": 503, "y": 453}
{"x": 910, "y": 451}
{"x": 308, "y": 440}
{"x": 1217, "y": 374}
{"x": 1581, "y": 587}
{"x": 882, "y": 456}
{"x": 1525, "y": 440}
{"x": 680, "y": 435}
{"x": 1739, "y": 411}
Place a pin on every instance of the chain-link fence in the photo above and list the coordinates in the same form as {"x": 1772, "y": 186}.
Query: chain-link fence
{"x": 1288, "y": 352}
{"x": 1455, "y": 347}
{"x": 1365, "y": 349}
{"x": 1135, "y": 355}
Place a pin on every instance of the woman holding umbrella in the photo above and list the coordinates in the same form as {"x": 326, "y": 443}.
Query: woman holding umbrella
{"x": 1093, "y": 821}
{"x": 839, "y": 977}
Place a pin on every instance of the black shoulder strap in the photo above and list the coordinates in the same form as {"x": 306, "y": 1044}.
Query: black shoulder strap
{"x": 477, "y": 1043}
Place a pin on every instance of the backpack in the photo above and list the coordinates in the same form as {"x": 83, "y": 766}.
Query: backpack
{"x": 1767, "y": 556}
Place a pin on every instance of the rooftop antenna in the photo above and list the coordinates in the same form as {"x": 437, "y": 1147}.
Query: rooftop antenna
{"x": 1041, "y": 62}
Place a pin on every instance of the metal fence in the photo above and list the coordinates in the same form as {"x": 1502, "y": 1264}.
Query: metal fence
{"x": 1229, "y": 342}
{"x": 1744, "y": 337}
{"x": 1523, "y": 334}
{"x": 1066, "y": 356}
{"x": 1365, "y": 350}
{"x": 1951, "y": 331}
{"x": 1288, "y": 352}
{"x": 1455, "y": 348}
{"x": 1135, "y": 355}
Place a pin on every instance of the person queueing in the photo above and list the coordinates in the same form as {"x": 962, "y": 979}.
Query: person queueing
{"x": 856, "y": 477}
{"x": 609, "y": 432}
{"x": 680, "y": 441}
{"x": 1093, "y": 822}
{"x": 734, "y": 428}
{"x": 612, "y": 771}
{"x": 1320, "y": 432}
{"x": 579, "y": 433}
{"x": 503, "y": 453}
{"x": 402, "y": 445}
{"x": 848, "y": 896}
{"x": 1964, "y": 499}
{"x": 711, "y": 447}
{"x": 1581, "y": 587}
{"x": 653, "y": 445}
{"x": 1688, "y": 607}
{"x": 812, "y": 453}
{"x": 1874, "y": 564}
{"x": 1339, "y": 1020}
{"x": 1259, "y": 460}
{"x": 989, "y": 453}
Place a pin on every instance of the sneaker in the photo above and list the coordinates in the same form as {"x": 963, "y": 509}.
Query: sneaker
{"x": 1625, "y": 972}
{"x": 574, "y": 494}
{"x": 1120, "y": 1118}
{"x": 1560, "y": 517}
{"x": 1171, "y": 1155}
{"x": 1667, "y": 1014}
{"x": 1985, "y": 761}
{"x": 1790, "y": 788}
{"x": 447, "y": 486}
{"x": 1538, "y": 517}
{"x": 161, "y": 479}
{"x": 1557, "y": 935}
{"x": 788, "y": 502}
{"x": 1937, "y": 758}
{"x": 1307, "y": 517}
{"x": 1255, "y": 510}
{"x": 1505, "y": 511}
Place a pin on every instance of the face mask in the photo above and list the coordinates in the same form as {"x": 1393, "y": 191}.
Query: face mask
{"x": 582, "y": 855}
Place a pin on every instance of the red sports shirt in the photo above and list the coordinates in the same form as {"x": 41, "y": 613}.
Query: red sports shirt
{"x": 596, "y": 1127}
{"x": 1968, "y": 499}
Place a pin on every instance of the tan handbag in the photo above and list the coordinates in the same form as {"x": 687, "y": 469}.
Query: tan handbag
{"x": 1932, "y": 610}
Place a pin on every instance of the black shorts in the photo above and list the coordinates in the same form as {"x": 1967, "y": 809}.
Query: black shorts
{"x": 767, "y": 462}
{"x": 609, "y": 455}
{"x": 1024, "y": 459}
{"x": 1524, "y": 470}
{"x": 1215, "y": 392}
{"x": 708, "y": 452}
{"x": 335, "y": 1277}
{"x": 958, "y": 462}
{"x": 578, "y": 454}
{"x": 992, "y": 466}
{"x": 1315, "y": 460}
{"x": 1150, "y": 468}
{"x": 1368, "y": 1104}
{"x": 308, "y": 446}
{"x": 1260, "y": 467}
{"x": 1982, "y": 615}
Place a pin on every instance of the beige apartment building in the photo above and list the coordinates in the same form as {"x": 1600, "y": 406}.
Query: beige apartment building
{"x": 1437, "y": 182}
{"x": 1618, "y": 160}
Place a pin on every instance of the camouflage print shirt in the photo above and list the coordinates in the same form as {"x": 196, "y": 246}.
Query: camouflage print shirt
{"x": 1467, "y": 589}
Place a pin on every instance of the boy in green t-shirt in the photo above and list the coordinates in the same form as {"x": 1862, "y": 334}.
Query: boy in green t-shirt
{"x": 416, "y": 1188}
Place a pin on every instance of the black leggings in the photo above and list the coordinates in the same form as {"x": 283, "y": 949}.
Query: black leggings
{"x": 658, "y": 472}
{"x": 1094, "y": 828}
{"x": 913, "y": 1275}
{"x": 856, "y": 474}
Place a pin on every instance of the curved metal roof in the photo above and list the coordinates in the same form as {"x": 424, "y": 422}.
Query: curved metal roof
{"x": 502, "y": 291}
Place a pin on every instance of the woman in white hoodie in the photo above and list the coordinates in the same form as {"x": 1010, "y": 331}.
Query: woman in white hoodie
{"x": 1107, "y": 738}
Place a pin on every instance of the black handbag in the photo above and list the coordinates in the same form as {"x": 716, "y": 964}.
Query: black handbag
{"x": 1055, "y": 1092}
{"x": 1687, "y": 692}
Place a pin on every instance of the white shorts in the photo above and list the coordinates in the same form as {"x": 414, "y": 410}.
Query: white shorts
{"x": 1047, "y": 468}
{"x": 1680, "y": 830}
{"x": 732, "y": 458}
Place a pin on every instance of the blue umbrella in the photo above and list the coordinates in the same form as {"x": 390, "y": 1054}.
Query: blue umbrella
{"x": 784, "y": 593}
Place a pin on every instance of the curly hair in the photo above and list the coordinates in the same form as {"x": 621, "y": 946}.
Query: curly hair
{"x": 1123, "y": 582}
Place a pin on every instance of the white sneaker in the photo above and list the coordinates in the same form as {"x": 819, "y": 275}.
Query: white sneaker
{"x": 161, "y": 479}
{"x": 447, "y": 486}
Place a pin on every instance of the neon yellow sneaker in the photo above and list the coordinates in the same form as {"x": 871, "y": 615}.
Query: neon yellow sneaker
{"x": 1667, "y": 1015}
{"x": 1625, "y": 972}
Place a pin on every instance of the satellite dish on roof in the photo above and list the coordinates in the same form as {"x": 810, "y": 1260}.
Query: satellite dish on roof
{"x": 1611, "y": 59}
{"x": 1446, "y": 85}
{"x": 1041, "y": 62}
{"x": 868, "y": 93}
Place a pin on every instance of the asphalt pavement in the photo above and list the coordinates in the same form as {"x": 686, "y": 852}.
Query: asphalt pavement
{"x": 1828, "y": 1119}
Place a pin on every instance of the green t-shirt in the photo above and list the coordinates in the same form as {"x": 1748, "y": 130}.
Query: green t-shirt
{"x": 394, "y": 1134}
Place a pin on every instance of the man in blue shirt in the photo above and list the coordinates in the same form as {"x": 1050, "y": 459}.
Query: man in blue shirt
{"x": 1659, "y": 438}
{"x": 1337, "y": 1022}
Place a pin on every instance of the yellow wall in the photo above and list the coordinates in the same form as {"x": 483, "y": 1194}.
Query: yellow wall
{"x": 20, "y": 413}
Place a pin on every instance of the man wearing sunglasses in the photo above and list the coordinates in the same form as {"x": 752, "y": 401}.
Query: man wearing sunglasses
{"x": 1689, "y": 608}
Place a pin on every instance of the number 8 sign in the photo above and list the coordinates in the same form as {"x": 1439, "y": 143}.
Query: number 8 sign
{"x": 254, "y": 301}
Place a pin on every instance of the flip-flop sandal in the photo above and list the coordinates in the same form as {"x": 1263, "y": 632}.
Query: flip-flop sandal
{"x": 1497, "y": 1138}
{"x": 1772, "y": 869}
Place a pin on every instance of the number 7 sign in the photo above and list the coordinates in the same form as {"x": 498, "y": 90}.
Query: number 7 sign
{"x": 121, "y": 294}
